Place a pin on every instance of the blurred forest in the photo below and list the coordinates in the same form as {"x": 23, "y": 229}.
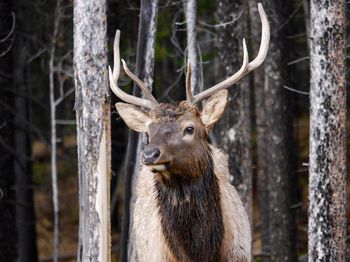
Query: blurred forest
{"x": 37, "y": 86}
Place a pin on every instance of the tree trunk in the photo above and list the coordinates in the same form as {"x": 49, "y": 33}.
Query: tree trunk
{"x": 93, "y": 128}
{"x": 279, "y": 141}
{"x": 144, "y": 70}
{"x": 8, "y": 239}
{"x": 234, "y": 130}
{"x": 327, "y": 185}
{"x": 260, "y": 120}
{"x": 25, "y": 213}
{"x": 190, "y": 7}
{"x": 54, "y": 182}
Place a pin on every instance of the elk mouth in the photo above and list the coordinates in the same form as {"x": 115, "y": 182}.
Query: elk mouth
{"x": 158, "y": 166}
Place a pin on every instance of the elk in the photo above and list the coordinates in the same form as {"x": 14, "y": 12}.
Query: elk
{"x": 186, "y": 209}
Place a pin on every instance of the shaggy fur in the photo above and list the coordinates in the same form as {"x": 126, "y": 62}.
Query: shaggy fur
{"x": 190, "y": 213}
{"x": 151, "y": 242}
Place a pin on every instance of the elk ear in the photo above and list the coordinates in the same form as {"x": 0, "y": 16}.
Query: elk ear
{"x": 214, "y": 108}
{"x": 134, "y": 117}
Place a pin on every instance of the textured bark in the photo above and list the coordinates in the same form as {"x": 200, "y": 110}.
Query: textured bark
{"x": 93, "y": 127}
{"x": 190, "y": 7}
{"x": 144, "y": 70}
{"x": 234, "y": 130}
{"x": 8, "y": 240}
{"x": 25, "y": 213}
{"x": 261, "y": 143}
{"x": 279, "y": 141}
{"x": 327, "y": 185}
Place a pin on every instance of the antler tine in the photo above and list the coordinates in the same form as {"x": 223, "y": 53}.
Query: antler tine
{"x": 141, "y": 84}
{"x": 246, "y": 66}
{"x": 114, "y": 75}
{"x": 188, "y": 81}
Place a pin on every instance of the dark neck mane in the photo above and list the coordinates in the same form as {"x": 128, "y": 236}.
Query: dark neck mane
{"x": 191, "y": 216}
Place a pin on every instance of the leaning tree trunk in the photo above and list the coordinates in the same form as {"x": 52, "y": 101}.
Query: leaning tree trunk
{"x": 233, "y": 131}
{"x": 261, "y": 143}
{"x": 93, "y": 127}
{"x": 8, "y": 241}
{"x": 279, "y": 136}
{"x": 327, "y": 185}
{"x": 144, "y": 70}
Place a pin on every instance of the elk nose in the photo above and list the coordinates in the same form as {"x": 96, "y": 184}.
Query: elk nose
{"x": 150, "y": 155}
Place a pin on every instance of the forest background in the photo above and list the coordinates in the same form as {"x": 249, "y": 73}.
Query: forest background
{"x": 265, "y": 130}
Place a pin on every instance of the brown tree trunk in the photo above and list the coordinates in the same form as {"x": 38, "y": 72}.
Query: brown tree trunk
{"x": 8, "y": 239}
{"x": 234, "y": 130}
{"x": 261, "y": 143}
{"x": 93, "y": 128}
{"x": 327, "y": 185}
{"x": 279, "y": 141}
{"x": 25, "y": 213}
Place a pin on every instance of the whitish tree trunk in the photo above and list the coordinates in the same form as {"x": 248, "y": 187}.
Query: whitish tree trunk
{"x": 260, "y": 120}
{"x": 93, "y": 127}
{"x": 327, "y": 217}
{"x": 144, "y": 70}
{"x": 233, "y": 131}
{"x": 279, "y": 126}
{"x": 190, "y": 7}
{"x": 54, "y": 185}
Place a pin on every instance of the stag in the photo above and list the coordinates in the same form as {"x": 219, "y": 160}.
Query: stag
{"x": 186, "y": 209}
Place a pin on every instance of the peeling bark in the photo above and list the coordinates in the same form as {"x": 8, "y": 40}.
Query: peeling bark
{"x": 327, "y": 171}
{"x": 144, "y": 70}
{"x": 234, "y": 130}
{"x": 93, "y": 128}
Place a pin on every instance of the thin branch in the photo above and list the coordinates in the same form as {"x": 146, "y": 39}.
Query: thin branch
{"x": 224, "y": 24}
{"x": 298, "y": 60}
{"x": 65, "y": 122}
{"x": 13, "y": 24}
{"x": 296, "y": 91}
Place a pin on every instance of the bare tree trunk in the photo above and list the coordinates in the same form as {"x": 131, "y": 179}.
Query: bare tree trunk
{"x": 190, "y": 7}
{"x": 8, "y": 239}
{"x": 93, "y": 127}
{"x": 279, "y": 137}
{"x": 25, "y": 213}
{"x": 327, "y": 185}
{"x": 234, "y": 130}
{"x": 260, "y": 116}
{"x": 54, "y": 185}
{"x": 144, "y": 70}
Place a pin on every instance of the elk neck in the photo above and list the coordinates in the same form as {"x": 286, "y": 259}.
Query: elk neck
{"x": 190, "y": 210}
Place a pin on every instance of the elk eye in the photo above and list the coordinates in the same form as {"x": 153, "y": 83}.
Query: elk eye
{"x": 147, "y": 138}
{"x": 189, "y": 130}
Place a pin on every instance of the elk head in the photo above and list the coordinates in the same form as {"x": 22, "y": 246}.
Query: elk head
{"x": 178, "y": 134}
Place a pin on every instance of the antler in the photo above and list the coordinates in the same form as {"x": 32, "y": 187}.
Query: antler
{"x": 246, "y": 66}
{"x": 150, "y": 102}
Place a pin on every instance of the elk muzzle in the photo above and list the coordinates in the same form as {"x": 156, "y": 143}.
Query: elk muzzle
{"x": 150, "y": 155}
